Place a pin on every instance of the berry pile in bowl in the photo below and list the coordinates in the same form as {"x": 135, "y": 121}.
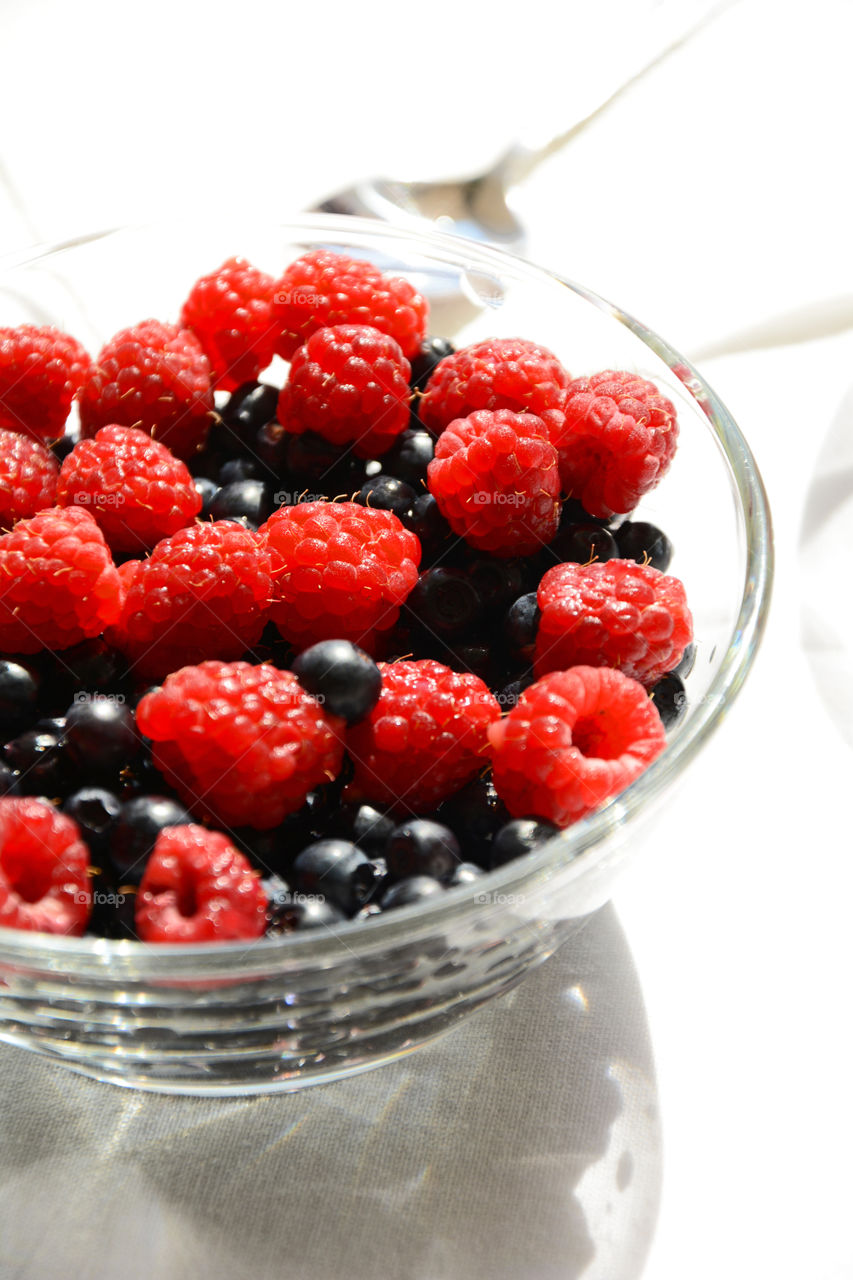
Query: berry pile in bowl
{"x": 348, "y": 644}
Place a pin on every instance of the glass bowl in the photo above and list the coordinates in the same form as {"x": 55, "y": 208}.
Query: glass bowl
{"x": 285, "y": 1012}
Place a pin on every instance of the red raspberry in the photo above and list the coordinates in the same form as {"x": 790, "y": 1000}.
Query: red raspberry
{"x": 340, "y": 571}
{"x": 323, "y": 288}
{"x": 136, "y": 489}
{"x": 241, "y": 744}
{"x": 41, "y": 371}
{"x": 203, "y": 593}
{"x": 499, "y": 373}
{"x": 44, "y": 882}
{"x": 349, "y": 384}
{"x": 617, "y": 614}
{"x": 617, "y": 440}
{"x": 28, "y": 475}
{"x": 230, "y": 312}
{"x": 156, "y": 377}
{"x": 496, "y": 481}
{"x": 425, "y": 738}
{"x": 58, "y": 584}
{"x": 198, "y": 888}
{"x": 573, "y": 740}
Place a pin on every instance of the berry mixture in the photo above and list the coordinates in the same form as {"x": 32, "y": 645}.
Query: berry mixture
{"x": 283, "y": 646}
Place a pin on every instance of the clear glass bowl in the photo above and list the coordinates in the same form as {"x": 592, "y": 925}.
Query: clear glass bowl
{"x": 285, "y": 1012}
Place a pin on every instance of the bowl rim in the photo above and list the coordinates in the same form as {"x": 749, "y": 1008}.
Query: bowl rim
{"x": 561, "y": 852}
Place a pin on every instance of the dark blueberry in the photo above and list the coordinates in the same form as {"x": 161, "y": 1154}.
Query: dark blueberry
{"x": 645, "y": 543}
{"x": 119, "y": 913}
{"x": 520, "y": 836}
{"x": 414, "y": 889}
{"x": 670, "y": 698}
{"x": 249, "y": 501}
{"x": 422, "y": 847}
{"x": 409, "y": 457}
{"x": 250, "y": 407}
{"x": 19, "y": 696}
{"x": 63, "y": 446}
{"x": 236, "y": 469}
{"x": 88, "y": 667}
{"x": 386, "y": 493}
{"x": 338, "y": 871}
{"x": 142, "y": 777}
{"x": 42, "y": 762}
{"x": 521, "y": 624}
{"x": 305, "y": 911}
{"x": 8, "y": 781}
{"x": 573, "y": 512}
{"x": 475, "y": 813}
{"x": 430, "y": 528}
{"x": 51, "y": 724}
{"x": 446, "y": 602}
{"x": 509, "y": 695}
{"x": 341, "y": 676}
{"x": 208, "y": 489}
{"x": 477, "y": 657}
{"x": 582, "y": 544}
{"x": 270, "y": 445}
{"x": 465, "y": 873}
{"x": 688, "y": 660}
{"x": 431, "y": 351}
{"x": 95, "y": 811}
{"x": 102, "y": 735}
{"x": 365, "y": 826}
{"x": 311, "y": 458}
{"x": 135, "y": 834}
{"x": 498, "y": 582}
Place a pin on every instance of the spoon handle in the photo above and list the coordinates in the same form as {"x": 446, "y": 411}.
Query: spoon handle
{"x": 641, "y": 46}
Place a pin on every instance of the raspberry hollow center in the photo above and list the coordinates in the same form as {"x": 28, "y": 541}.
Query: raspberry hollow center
{"x": 599, "y": 736}
{"x": 28, "y": 876}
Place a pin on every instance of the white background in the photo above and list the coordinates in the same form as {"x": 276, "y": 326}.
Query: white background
{"x": 713, "y": 201}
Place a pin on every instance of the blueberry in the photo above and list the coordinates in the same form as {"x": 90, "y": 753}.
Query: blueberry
{"x": 429, "y": 526}
{"x": 498, "y": 582}
{"x": 39, "y": 757}
{"x": 465, "y": 873}
{"x": 670, "y": 698}
{"x": 422, "y": 847}
{"x": 274, "y": 850}
{"x": 431, "y": 351}
{"x": 251, "y": 407}
{"x": 249, "y": 501}
{"x": 119, "y": 917}
{"x": 386, "y": 493}
{"x": 63, "y": 446}
{"x": 341, "y": 676}
{"x": 477, "y": 657}
{"x": 582, "y": 544}
{"x": 645, "y": 543}
{"x": 236, "y": 469}
{"x": 19, "y": 695}
{"x": 311, "y": 458}
{"x": 475, "y": 813}
{"x": 365, "y": 826}
{"x": 520, "y": 836}
{"x": 96, "y": 812}
{"x": 509, "y": 695}
{"x": 270, "y": 445}
{"x": 89, "y": 666}
{"x": 409, "y": 457}
{"x": 408, "y": 892}
{"x": 687, "y": 663}
{"x": 102, "y": 735}
{"x": 338, "y": 871}
{"x": 208, "y": 489}
{"x": 304, "y": 912}
{"x": 135, "y": 833}
{"x": 8, "y": 781}
{"x": 521, "y": 624}
{"x": 573, "y": 512}
{"x": 446, "y": 602}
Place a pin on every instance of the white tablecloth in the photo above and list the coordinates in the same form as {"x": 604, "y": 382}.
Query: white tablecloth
{"x": 713, "y": 201}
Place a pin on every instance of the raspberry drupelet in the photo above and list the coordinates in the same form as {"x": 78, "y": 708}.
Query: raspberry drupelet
{"x": 41, "y": 371}
{"x": 28, "y": 475}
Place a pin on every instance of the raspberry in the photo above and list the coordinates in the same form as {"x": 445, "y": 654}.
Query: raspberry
{"x": 230, "y": 312}
{"x": 241, "y": 744}
{"x": 41, "y": 371}
{"x": 44, "y": 882}
{"x": 323, "y": 288}
{"x": 136, "y": 489}
{"x": 496, "y": 481}
{"x": 349, "y": 384}
{"x": 156, "y": 377}
{"x": 198, "y": 888}
{"x": 425, "y": 738}
{"x": 28, "y": 475}
{"x": 617, "y": 440}
{"x": 574, "y": 739}
{"x": 499, "y": 373}
{"x": 340, "y": 571}
{"x": 203, "y": 593}
{"x": 58, "y": 584}
{"x": 617, "y": 614}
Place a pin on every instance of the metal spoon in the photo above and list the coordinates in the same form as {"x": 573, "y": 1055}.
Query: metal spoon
{"x": 477, "y": 206}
